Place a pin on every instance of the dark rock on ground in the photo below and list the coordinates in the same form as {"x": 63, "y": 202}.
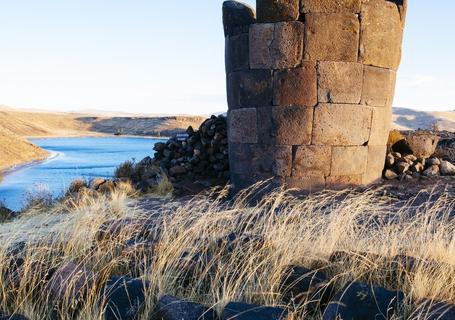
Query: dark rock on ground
{"x": 434, "y": 310}
{"x": 13, "y": 317}
{"x": 360, "y": 302}
{"x": 244, "y": 311}
{"x": 125, "y": 298}
{"x": 301, "y": 285}
{"x": 171, "y": 308}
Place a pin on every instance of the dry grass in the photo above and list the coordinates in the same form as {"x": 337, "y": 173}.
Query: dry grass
{"x": 191, "y": 257}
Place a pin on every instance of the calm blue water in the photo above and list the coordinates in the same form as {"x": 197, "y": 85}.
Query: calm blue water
{"x": 72, "y": 158}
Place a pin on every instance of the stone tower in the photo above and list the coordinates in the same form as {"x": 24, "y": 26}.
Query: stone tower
{"x": 310, "y": 85}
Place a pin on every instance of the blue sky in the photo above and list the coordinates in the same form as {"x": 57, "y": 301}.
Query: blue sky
{"x": 162, "y": 56}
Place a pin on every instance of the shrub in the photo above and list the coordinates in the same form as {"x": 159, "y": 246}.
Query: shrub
{"x": 126, "y": 170}
{"x": 38, "y": 198}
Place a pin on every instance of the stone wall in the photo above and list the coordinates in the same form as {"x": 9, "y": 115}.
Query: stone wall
{"x": 310, "y": 85}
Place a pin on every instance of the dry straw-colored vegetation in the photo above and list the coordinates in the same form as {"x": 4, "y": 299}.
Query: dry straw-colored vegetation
{"x": 191, "y": 250}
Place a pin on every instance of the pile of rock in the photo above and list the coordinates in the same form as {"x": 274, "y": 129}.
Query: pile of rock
{"x": 414, "y": 157}
{"x": 201, "y": 154}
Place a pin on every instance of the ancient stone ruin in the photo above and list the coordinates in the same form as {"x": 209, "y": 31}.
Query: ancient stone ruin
{"x": 310, "y": 85}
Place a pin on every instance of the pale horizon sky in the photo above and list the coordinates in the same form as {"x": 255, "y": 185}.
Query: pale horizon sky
{"x": 161, "y": 56}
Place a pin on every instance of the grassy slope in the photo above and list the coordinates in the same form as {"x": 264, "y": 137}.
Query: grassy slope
{"x": 15, "y": 150}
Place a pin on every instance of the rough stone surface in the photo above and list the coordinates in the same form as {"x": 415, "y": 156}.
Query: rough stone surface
{"x": 390, "y": 174}
{"x": 432, "y": 171}
{"x": 312, "y": 182}
{"x": 380, "y": 126}
{"x": 312, "y": 160}
{"x": 237, "y": 17}
{"x": 349, "y": 161}
{"x": 378, "y": 86}
{"x": 381, "y": 34}
{"x": 330, "y": 6}
{"x": 359, "y": 302}
{"x": 375, "y": 164}
{"x": 296, "y": 87}
{"x": 243, "y": 311}
{"x": 171, "y": 308}
{"x": 237, "y": 53}
{"x": 277, "y": 10}
{"x": 261, "y": 161}
{"x": 292, "y": 125}
{"x": 422, "y": 144}
{"x": 249, "y": 89}
{"x": 242, "y": 126}
{"x": 276, "y": 45}
{"x": 124, "y": 298}
{"x": 447, "y": 168}
{"x": 343, "y": 182}
{"x": 333, "y": 37}
{"x": 340, "y": 82}
{"x": 341, "y": 124}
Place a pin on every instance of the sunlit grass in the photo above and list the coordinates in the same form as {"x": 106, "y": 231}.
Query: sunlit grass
{"x": 187, "y": 252}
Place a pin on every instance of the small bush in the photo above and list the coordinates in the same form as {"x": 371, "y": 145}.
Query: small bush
{"x": 164, "y": 187}
{"x": 38, "y": 198}
{"x": 77, "y": 185}
{"x": 126, "y": 170}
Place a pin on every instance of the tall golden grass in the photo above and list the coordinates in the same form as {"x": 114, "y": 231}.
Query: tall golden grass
{"x": 188, "y": 253}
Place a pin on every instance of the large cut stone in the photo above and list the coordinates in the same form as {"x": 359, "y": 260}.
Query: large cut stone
{"x": 237, "y": 17}
{"x": 312, "y": 159}
{"x": 237, "y": 55}
{"x": 296, "y": 87}
{"x": 292, "y": 125}
{"x": 260, "y": 160}
{"x": 331, "y": 37}
{"x": 249, "y": 89}
{"x": 277, "y": 10}
{"x": 311, "y": 182}
{"x": 340, "y": 82}
{"x": 243, "y": 126}
{"x": 349, "y": 161}
{"x": 343, "y": 182}
{"x": 380, "y": 126}
{"x": 330, "y": 6}
{"x": 381, "y": 34}
{"x": 276, "y": 45}
{"x": 341, "y": 124}
{"x": 378, "y": 86}
{"x": 375, "y": 164}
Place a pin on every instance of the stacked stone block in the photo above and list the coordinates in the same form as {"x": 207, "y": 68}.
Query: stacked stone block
{"x": 310, "y": 85}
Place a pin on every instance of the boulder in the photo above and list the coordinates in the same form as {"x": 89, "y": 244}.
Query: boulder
{"x": 360, "y": 302}
{"x": 244, "y": 311}
{"x": 434, "y": 310}
{"x": 433, "y": 162}
{"x": 402, "y": 167}
{"x": 446, "y": 149}
{"x": 237, "y": 17}
{"x": 390, "y": 160}
{"x": 277, "y": 10}
{"x": 447, "y": 168}
{"x": 171, "y": 308}
{"x": 432, "y": 171}
{"x": 70, "y": 284}
{"x": 390, "y": 174}
{"x": 124, "y": 298}
{"x": 422, "y": 144}
{"x": 304, "y": 286}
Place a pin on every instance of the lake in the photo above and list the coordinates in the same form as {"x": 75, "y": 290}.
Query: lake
{"x": 71, "y": 158}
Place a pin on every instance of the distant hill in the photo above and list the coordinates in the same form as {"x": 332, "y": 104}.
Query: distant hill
{"x": 409, "y": 119}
